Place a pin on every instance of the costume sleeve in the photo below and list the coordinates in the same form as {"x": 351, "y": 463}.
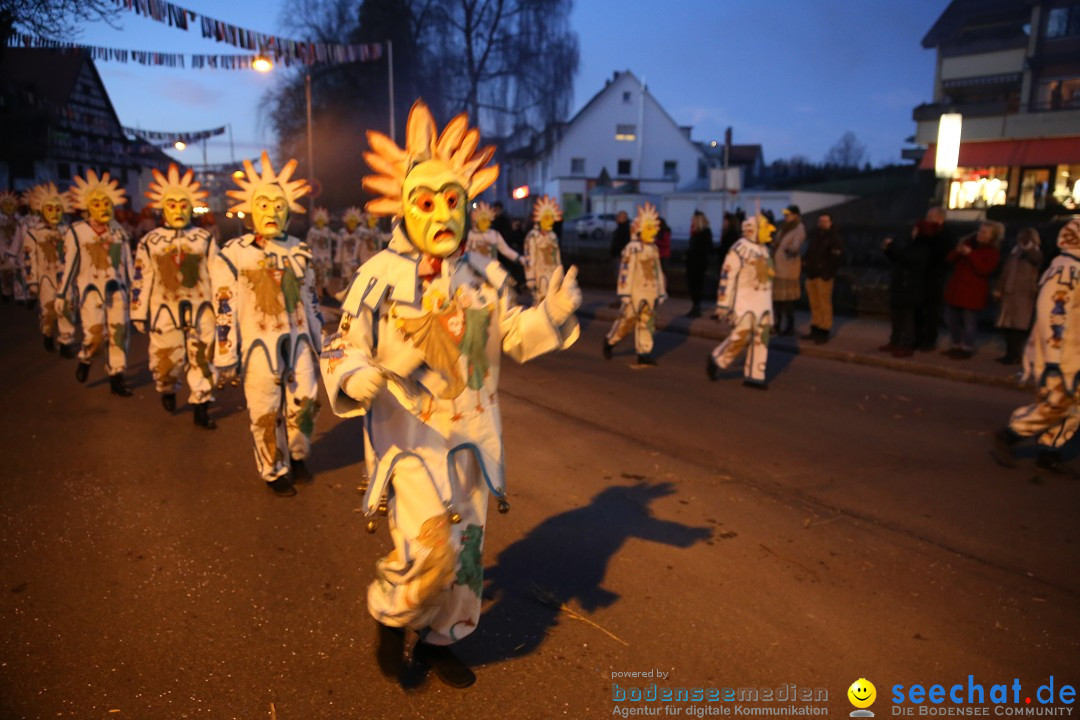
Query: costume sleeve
{"x": 223, "y": 282}
{"x": 345, "y": 353}
{"x": 627, "y": 267}
{"x": 71, "y": 264}
{"x": 529, "y": 332}
{"x": 143, "y": 278}
{"x": 311, "y": 304}
{"x": 727, "y": 287}
{"x": 505, "y": 249}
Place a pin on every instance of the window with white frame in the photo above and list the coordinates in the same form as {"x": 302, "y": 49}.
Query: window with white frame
{"x": 626, "y": 133}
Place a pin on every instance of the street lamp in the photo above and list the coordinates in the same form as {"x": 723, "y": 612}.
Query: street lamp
{"x": 179, "y": 145}
{"x": 262, "y": 64}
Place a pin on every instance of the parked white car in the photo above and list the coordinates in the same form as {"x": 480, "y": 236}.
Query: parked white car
{"x": 596, "y": 226}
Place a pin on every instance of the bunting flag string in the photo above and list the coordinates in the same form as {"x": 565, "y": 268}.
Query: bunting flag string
{"x": 283, "y": 49}
{"x": 169, "y": 138}
{"x": 294, "y": 54}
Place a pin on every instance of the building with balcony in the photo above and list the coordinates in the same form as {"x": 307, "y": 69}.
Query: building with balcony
{"x": 1011, "y": 69}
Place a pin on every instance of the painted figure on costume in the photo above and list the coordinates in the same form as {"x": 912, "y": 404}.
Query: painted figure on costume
{"x": 351, "y": 243}
{"x": 485, "y": 240}
{"x": 641, "y": 287}
{"x": 9, "y": 251}
{"x": 744, "y": 299}
{"x": 542, "y": 256}
{"x": 268, "y": 323}
{"x": 1051, "y": 359}
{"x": 171, "y": 297}
{"x": 418, "y": 350}
{"x": 43, "y": 250}
{"x": 320, "y": 239}
{"x": 97, "y": 273}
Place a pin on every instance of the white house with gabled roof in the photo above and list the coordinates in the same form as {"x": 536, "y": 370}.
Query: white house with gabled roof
{"x": 622, "y": 141}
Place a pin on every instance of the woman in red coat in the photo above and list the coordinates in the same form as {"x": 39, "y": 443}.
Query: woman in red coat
{"x": 974, "y": 260}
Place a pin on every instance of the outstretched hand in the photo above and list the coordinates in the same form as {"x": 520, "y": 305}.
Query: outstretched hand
{"x": 563, "y": 296}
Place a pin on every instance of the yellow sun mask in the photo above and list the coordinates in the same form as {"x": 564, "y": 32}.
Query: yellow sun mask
{"x": 646, "y": 225}
{"x": 320, "y": 217}
{"x": 482, "y": 215}
{"x": 352, "y": 217}
{"x": 175, "y": 196}
{"x": 430, "y": 181}
{"x": 269, "y": 197}
{"x": 547, "y": 212}
{"x": 50, "y": 202}
{"x": 9, "y": 201}
{"x": 97, "y": 196}
{"x": 371, "y": 220}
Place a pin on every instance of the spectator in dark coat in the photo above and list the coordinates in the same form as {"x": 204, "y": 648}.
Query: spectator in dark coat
{"x": 1015, "y": 291}
{"x": 663, "y": 244}
{"x": 907, "y": 288}
{"x": 502, "y": 225}
{"x": 974, "y": 260}
{"x": 821, "y": 261}
{"x": 697, "y": 260}
{"x": 620, "y": 238}
{"x": 939, "y": 242}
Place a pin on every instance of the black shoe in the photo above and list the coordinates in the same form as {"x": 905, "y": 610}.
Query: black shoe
{"x": 31, "y": 305}
{"x": 82, "y": 372}
{"x": 1050, "y": 461}
{"x": 68, "y": 352}
{"x": 694, "y": 313}
{"x": 606, "y": 351}
{"x": 450, "y": 669}
{"x": 646, "y": 360}
{"x": 50, "y": 344}
{"x": 822, "y": 337}
{"x": 168, "y": 401}
{"x": 812, "y": 335}
{"x": 1002, "y": 452}
{"x": 300, "y": 472}
{"x": 787, "y": 332}
{"x": 117, "y": 386}
{"x": 755, "y": 384}
{"x": 712, "y": 370}
{"x": 201, "y": 414}
{"x": 282, "y": 486}
{"x": 390, "y": 650}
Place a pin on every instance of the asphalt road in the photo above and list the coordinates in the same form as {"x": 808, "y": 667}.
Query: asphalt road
{"x": 847, "y": 523}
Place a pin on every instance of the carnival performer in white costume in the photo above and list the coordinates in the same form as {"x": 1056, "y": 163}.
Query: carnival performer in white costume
{"x": 542, "y": 256}
{"x": 268, "y": 323}
{"x": 486, "y": 241}
{"x": 320, "y": 239}
{"x": 641, "y": 287}
{"x": 378, "y": 237}
{"x": 97, "y": 271}
{"x": 370, "y": 238}
{"x": 43, "y": 249}
{"x": 9, "y": 250}
{"x": 1052, "y": 359}
{"x": 744, "y": 300}
{"x": 171, "y": 298}
{"x": 350, "y": 241}
{"x": 417, "y": 354}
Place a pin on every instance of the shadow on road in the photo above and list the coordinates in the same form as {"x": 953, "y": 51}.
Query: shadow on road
{"x": 564, "y": 560}
{"x": 342, "y": 446}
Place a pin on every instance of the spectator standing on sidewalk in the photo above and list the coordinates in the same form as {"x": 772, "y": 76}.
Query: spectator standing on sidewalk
{"x": 974, "y": 260}
{"x": 907, "y": 283}
{"x": 697, "y": 260}
{"x": 663, "y": 244}
{"x": 1015, "y": 292}
{"x": 824, "y": 253}
{"x": 790, "y": 238}
{"x": 939, "y": 242}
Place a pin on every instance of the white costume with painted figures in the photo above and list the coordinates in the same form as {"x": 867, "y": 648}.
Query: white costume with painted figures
{"x": 744, "y": 295}
{"x": 10, "y": 262}
{"x": 268, "y": 324}
{"x": 1052, "y": 355}
{"x": 350, "y": 239}
{"x": 320, "y": 241}
{"x": 542, "y": 258}
{"x": 418, "y": 355}
{"x": 641, "y": 285}
{"x": 43, "y": 251}
{"x": 491, "y": 244}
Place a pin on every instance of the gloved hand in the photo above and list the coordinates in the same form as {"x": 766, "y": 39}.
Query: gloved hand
{"x": 563, "y": 295}
{"x": 228, "y": 375}
{"x": 139, "y": 325}
{"x": 364, "y": 384}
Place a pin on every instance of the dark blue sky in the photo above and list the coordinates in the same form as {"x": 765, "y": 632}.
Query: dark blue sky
{"x": 793, "y": 75}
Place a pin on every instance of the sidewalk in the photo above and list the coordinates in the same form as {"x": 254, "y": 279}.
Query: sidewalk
{"x": 854, "y": 340}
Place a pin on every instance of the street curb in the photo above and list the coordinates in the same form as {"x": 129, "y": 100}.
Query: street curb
{"x": 810, "y": 350}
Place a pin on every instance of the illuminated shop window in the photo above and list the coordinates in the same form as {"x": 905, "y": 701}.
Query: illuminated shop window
{"x": 1067, "y": 186}
{"x": 978, "y": 187}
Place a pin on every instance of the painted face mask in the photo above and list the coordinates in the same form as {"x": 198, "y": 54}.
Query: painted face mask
{"x": 646, "y": 225}
{"x": 430, "y": 181}
{"x": 482, "y": 215}
{"x": 352, "y": 217}
{"x": 546, "y": 212}
{"x": 269, "y": 197}
{"x": 97, "y": 196}
{"x": 175, "y": 196}
{"x": 49, "y": 202}
{"x": 320, "y": 217}
{"x": 9, "y": 201}
{"x": 1069, "y": 236}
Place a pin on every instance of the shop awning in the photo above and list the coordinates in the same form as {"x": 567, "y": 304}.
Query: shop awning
{"x": 1013, "y": 153}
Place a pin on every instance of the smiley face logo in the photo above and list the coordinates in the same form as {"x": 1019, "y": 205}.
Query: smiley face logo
{"x": 862, "y": 693}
